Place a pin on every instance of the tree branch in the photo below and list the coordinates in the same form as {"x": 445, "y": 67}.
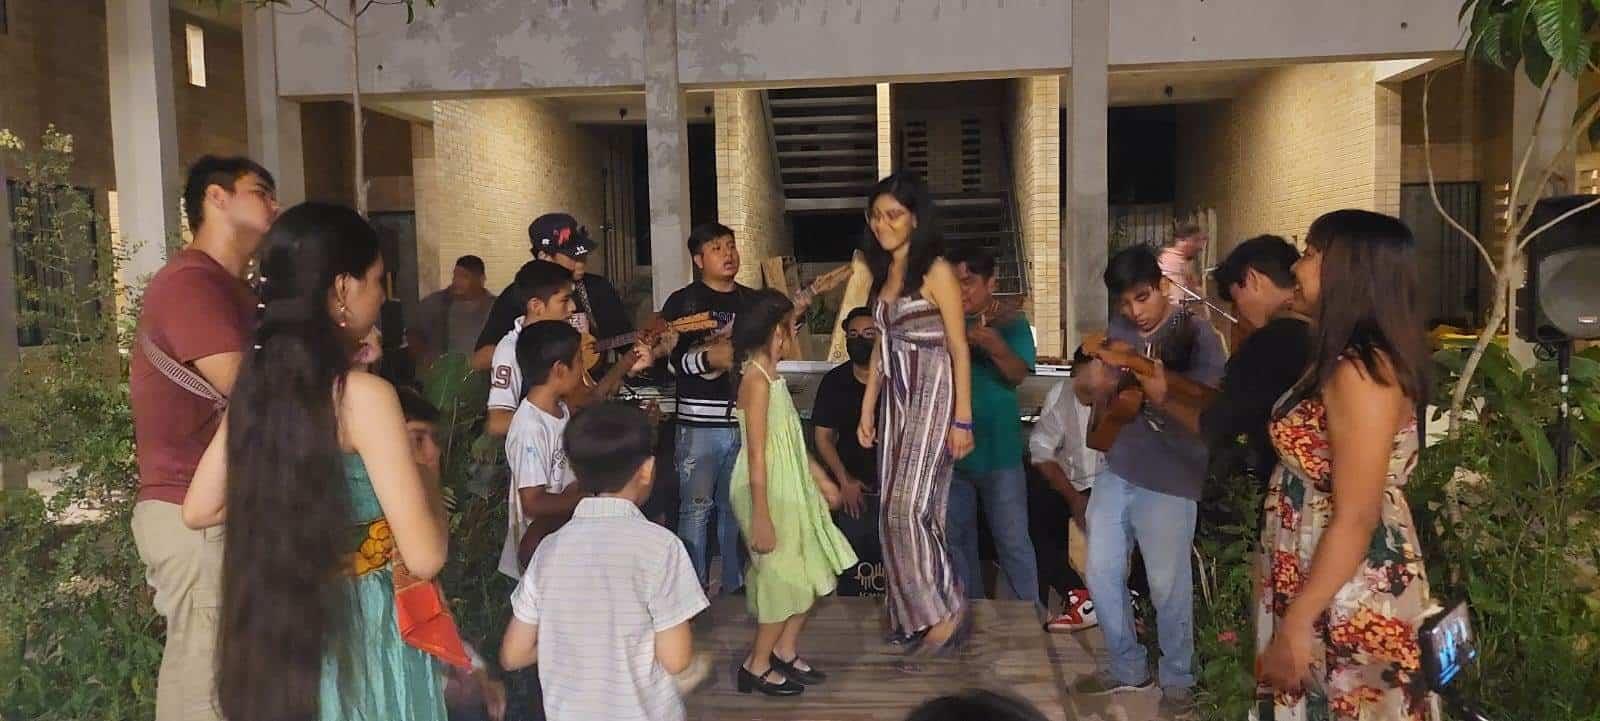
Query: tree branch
{"x": 1557, "y": 219}
{"x": 323, "y": 6}
{"x": 1545, "y": 90}
{"x": 1433, "y": 186}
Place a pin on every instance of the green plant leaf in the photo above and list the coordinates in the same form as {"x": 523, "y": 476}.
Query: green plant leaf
{"x": 1488, "y": 42}
{"x": 1560, "y": 30}
{"x": 1488, "y": 38}
{"x": 1585, "y": 369}
{"x": 1533, "y": 437}
{"x": 1536, "y": 60}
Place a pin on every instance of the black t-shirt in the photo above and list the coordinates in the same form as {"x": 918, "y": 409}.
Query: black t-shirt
{"x": 608, "y": 314}
{"x": 705, "y": 396}
{"x": 1265, "y": 365}
{"x": 838, "y": 406}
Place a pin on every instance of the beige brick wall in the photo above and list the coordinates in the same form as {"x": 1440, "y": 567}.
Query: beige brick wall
{"x": 1034, "y": 126}
{"x": 497, "y": 164}
{"x": 1296, "y": 142}
{"x": 749, "y": 194}
{"x": 941, "y": 108}
{"x": 1456, "y": 130}
{"x": 53, "y": 69}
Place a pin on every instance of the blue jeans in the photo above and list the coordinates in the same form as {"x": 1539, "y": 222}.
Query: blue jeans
{"x": 705, "y": 468}
{"x": 1005, "y": 504}
{"x": 1121, "y": 514}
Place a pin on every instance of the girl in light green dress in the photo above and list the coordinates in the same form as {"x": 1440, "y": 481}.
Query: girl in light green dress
{"x": 782, "y": 501}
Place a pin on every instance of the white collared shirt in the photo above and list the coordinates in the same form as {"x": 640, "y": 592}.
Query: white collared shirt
{"x": 599, "y": 590}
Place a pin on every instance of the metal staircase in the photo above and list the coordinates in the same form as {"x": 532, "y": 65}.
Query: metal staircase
{"x": 985, "y": 219}
{"x": 827, "y": 145}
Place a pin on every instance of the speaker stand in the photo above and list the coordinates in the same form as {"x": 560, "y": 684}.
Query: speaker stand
{"x": 1564, "y": 421}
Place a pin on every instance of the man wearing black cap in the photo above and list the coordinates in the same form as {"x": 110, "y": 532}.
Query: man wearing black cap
{"x": 557, "y": 237}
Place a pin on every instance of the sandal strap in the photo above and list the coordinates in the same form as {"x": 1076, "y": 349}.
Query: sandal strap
{"x": 769, "y": 673}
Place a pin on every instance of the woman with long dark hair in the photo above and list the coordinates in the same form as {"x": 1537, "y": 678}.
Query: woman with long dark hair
{"x": 920, "y": 389}
{"x": 313, "y": 472}
{"x": 1344, "y": 588}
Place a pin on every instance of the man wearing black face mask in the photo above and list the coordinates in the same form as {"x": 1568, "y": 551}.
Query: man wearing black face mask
{"x": 835, "y": 415}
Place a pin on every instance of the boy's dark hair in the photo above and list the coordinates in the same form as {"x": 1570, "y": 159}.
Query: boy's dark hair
{"x": 705, "y": 233}
{"x": 980, "y": 261}
{"x": 976, "y": 704}
{"x": 473, "y": 263}
{"x": 542, "y": 279}
{"x": 859, "y": 311}
{"x": 211, "y": 170}
{"x": 1269, "y": 255}
{"x": 541, "y": 346}
{"x": 606, "y": 443}
{"x": 1131, "y": 268}
{"x": 415, "y": 407}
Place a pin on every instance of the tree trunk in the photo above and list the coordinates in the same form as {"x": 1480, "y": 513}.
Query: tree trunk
{"x": 355, "y": 104}
{"x": 1502, "y": 301}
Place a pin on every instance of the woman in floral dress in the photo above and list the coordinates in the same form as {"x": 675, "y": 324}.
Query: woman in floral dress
{"x": 1344, "y": 589}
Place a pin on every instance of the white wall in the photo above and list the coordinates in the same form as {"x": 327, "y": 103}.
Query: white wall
{"x": 512, "y": 45}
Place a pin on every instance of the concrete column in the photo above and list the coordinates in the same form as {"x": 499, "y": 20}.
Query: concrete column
{"x": 274, "y": 123}
{"x": 885, "y": 130}
{"x": 1547, "y": 139}
{"x": 143, "y": 131}
{"x": 667, "y": 150}
{"x": 1084, "y": 303}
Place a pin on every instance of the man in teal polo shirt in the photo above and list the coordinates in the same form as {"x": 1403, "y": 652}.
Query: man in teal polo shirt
{"x": 1002, "y": 356}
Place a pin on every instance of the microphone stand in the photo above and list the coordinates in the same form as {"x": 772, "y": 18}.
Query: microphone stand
{"x": 1197, "y": 298}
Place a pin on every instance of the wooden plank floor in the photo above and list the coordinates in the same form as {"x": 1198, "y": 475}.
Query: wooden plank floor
{"x": 870, "y": 680}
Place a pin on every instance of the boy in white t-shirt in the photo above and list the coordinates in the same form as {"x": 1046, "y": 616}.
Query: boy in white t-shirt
{"x": 549, "y": 289}
{"x": 605, "y": 606}
{"x": 542, "y": 490}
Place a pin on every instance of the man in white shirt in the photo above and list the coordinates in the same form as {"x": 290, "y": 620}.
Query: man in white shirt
{"x": 1058, "y": 450}
{"x": 605, "y": 606}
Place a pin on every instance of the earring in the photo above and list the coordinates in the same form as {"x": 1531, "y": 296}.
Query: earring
{"x": 344, "y": 315}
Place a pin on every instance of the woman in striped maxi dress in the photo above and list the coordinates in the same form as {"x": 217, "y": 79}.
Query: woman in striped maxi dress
{"x": 920, "y": 390}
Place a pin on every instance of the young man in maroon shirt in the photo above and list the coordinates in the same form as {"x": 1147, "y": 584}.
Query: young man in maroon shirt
{"x": 196, "y": 322}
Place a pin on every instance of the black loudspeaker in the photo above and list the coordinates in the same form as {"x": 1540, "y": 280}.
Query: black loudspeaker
{"x": 1561, "y": 298}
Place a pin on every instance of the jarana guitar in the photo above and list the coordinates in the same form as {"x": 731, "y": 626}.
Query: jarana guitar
{"x": 1107, "y": 419}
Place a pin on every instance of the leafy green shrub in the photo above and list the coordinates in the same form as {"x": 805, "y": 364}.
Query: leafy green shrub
{"x": 78, "y": 636}
{"x": 1499, "y": 530}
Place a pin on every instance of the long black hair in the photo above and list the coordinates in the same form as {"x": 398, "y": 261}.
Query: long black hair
{"x": 288, "y": 506}
{"x": 1368, "y": 304}
{"x": 926, "y": 242}
{"x": 754, "y": 326}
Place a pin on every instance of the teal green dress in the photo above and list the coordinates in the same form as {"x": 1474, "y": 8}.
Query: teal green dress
{"x": 371, "y": 674}
{"x": 811, "y": 551}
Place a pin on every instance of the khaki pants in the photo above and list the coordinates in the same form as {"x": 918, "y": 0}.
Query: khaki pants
{"x": 185, "y": 569}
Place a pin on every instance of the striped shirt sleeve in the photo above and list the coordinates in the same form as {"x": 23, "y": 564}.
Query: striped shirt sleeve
{"x": 679, "y": 597}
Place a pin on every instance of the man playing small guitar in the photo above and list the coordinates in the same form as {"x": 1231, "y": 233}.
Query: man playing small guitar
{"x": 707, "y": 440}
{"x": 1149, "y": 492}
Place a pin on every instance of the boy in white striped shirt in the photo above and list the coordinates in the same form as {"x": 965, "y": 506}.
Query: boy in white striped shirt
{"x": 605, "y": 604}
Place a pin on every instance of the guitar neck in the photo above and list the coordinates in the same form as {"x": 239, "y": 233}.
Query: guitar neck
{"x": 621, "y": 341}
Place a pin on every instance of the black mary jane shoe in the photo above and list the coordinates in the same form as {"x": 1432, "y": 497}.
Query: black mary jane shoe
{"x": 750, "y": 682}
{"x": 806, "y": 676}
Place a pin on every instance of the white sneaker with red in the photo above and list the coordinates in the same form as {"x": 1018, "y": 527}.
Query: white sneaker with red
{"x": 1078, "y": 615}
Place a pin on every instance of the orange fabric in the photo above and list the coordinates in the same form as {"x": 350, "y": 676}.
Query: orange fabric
{"x": 420, "y": 609}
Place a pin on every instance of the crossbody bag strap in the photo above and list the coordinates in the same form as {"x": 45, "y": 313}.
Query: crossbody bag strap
{"x": 180, "y": 374}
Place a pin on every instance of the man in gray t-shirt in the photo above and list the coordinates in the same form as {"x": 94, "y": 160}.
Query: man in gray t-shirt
{"x": 1149, "y": 493}
{"x": 448, "y": 321}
